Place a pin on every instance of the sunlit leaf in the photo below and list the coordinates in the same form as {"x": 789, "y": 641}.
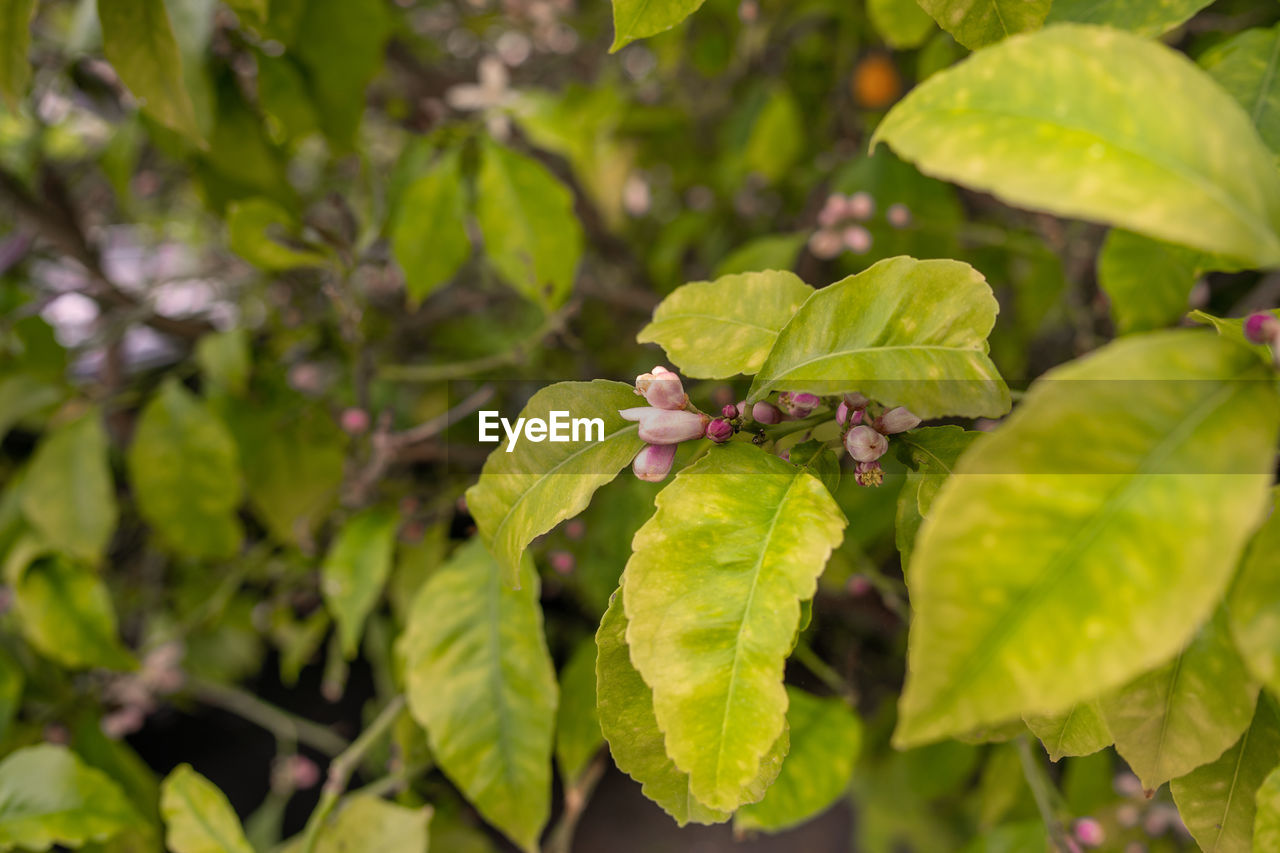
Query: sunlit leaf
{"x": 1079, "y": 730}
{"x": 355, "y": 570}
{"x": 68, "y": 495}
{"x": 1148, "y": 18}
{"x": 976, "y": 23}
{"x": 197, "y": 816}
{"x": 637, "y": 19}
{"x": 429, "y": 235}
{"x": 48, "y": 796}
{"x": 578, "y": 736}
{"x": 67, "y": 614}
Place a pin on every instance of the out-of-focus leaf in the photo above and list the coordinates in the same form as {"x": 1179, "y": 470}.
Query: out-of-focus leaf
{"x": 138, "y": 41}
{"x": 197, "y": 816}
{"x": 977, "y": 23}
{"x": 12, "y": 679}
{"x": 1253, "y": 604}
{"x": 777, "y": 136}
{"x": 930, "y": 454}
{"x": 1266, "y": 824}
{"x": 429, "y": 235}
{"x": 48, "y": 796}
{"x": 68, "y": 495}
{"x": 637, "y": 19}
{"x": 367, "y": 824}
{"x": 578, "y": 736}
{"x": 23, "y": 395}
{"x": 1245, "y": 65}
{"x": 185, "y": 474}
{"x": 479, "y": 678}
{"x": 901, "y": 23}
{"x": 341, "y": 44}
{"x": 67, "y": 614}
{"x": 771, "y": 252}
{"x": 1079, "y": 730}
{"x": 1148, "y": 18}
{"x": 717, "y": 329}
{"x": 15, "y": 38}
{"x": 354, "y": 571}
{"x": 224, "y": 360}
{"x": 256, "y": 226}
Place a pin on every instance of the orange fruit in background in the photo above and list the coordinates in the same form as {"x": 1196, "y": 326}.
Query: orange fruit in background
{"x": 876, "y": 82}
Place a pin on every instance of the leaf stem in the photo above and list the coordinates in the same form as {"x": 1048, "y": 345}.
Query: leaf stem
{"x": 825, "y": 673}
{"x": 1045, "y": 794}
{"x": 343, "y": 766}
{"x": 576, "y": 798}
{"x": 288, "y": 728}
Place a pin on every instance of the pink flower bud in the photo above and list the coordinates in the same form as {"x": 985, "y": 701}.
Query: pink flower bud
{"x": 846, "y": 414}
{"x": 1089, "y": 832}
{"x": 856, "y": 400}
{"x": 895, "y": 421}
{"x": 766, "y": 413}
{"x": 868, "y": 474}
{"x": 858, "y": 586}
{"x": 667, "y": 426}
{"x": 653, "y": 463}
{"x": 1262, "y": 328}
{"x": 798, "y": 406}
{"x": 304, "y": 773}
{"x": 825, "y": 244}
{"x": 833, "y": 210}
{"x": 562, "y": 561}
{"x": 865, "y": 444}
{"x": 861, "y": 205}
{"x": 575, "y": 529}
{"x": 662, "y": 388}
{"x": 730, "y": 411}
{"x": 719, "y": 430}
{"x": 898, "y": 215}
{"x": 857, "y": 238}
{"x": 354, "y": 421}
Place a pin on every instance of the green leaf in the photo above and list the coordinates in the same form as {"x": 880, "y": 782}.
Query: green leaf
{"x": 1245, "y": 65}
{"x": 68, "y": 495}
{"x": 977, "y": 23}
{"x": 901, "y": 23}
{"x": 48, "y": 796}
{"x": 340, "y": 42}
{"x": 777, "y": 136}
{"x": 480, "y": 680}
{"x": 256, "y": 231}
{"x": 578, "y": 736}
{"x": 256, "y": 10}
{"x": 185, "y": 474}
{"x": 67, "y": 614}
{"x": 1253, "y": 605}
{"x": 1148, "y": 18}
{"x": 367, "y": 824}
{"x": 1079, "y": 730}
{"x": 15, "y": 40}
{"x": 1148, "y": 282}
{"x": 526, "y": 492}
{"x": 771, "y": 252}
{"x": 197, "y": 816}
{"x": 23, "y": 395}
{"x": 1133, "y": 134}
{"x": 1216, "y": 801}
{"x": 530, "y": 231}
{"x": 1184, "y": 713}
{"x": 138, "y": 41}
{"x": 825, "y": 740}
{"x": 712, "y": 595}
{"x": 355, "y": 570}
{"x": 429, "y": 236}
{"x": 225, "y": 360}
{"x": 1067, "y": 555}
{"x": 12, "y": 680}
{"x": 625, "y": 704}
{"x": 1266, "y": 825}
{"x": 930, "y": 454}
{"x": 904, "y": 332}
{"x": 717, "y": 329}
{"x": 637, "y": 19}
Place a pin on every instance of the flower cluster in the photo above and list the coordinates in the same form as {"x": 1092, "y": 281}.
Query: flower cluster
{"x": 866, "y": 443}
{"x": 840, "y": 224}
{"x": 664, "y": 423}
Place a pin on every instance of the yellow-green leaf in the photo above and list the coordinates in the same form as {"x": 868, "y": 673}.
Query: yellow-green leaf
{"x": 67, "y": 614}
{"x": 15, "y": 39}
{"x": 197, "y": 816}
{"x": 1079, "y": 730}
{"x": 637, "y": 19}
{"x": 68, "y": 495}
{"x": 355, "y": 570}
{"x": 976, "y": 23}
{"x": 138, "y": 40}
{"x": 429, "y": 236}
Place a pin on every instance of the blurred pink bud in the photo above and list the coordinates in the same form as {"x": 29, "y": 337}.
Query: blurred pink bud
{"x": 665, "y": 426}
{"x": 858, "y": 586}
{"x": 124, "y": 721}
{"x": 653, "y": 463}
{"x": 729, "y": 411}
{"x": 834, "y": 209}
{"x": 1089, "y": 832}
{"x": 719, "y": 430}
{"x": 1262, "y": 328}
{"x": 861, "y": 205}
{"x": 303, "y": 772}
{"x": 798, "y": 405}
{"x": 857, "y": 239}
{"x": 662, "y": 389}
{"x": 895, "y": 421}
{"x": 575, "y": 529}
{"x": 898, "y": 215}
{"x": 825, "y": 244}
{"x": 868, "y": 474}
{"x": 57, "y": 733}
{"x": 561, "y": 561}
{"x": 354, "y": 421}
{"x": 865, "y": 444}
{"x": 766, "y": 413}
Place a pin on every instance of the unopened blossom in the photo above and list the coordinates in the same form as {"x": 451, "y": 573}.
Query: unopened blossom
{"x": 857, "y": 239}
{"x": 766, "y": 413}
{"x": 834, "y": 210}
{"x": 846, "y": 415}
{"x": 653, "y": 463}
{"x": 825, "y": 244}
{"x": 662, "y": 388}
{"x": 865, "y": 444}
{"x": 1089, "y": 832}
{"x": 861, "y": 205}
{"x": 868, "y": 474}
{"x": 729, "y": 410}
{"x": 898, "y": 215}
{"x": 1262, "y": 328}
{"x": 667, "y": 426}
{"x": 561, "y": 561}
{"x": 719, "y": 430}
{"x": 490, "y": 95}
{"x": 895, "y": 421}
{"x": 798, "y": 405}
{"x": 354, "y": 421}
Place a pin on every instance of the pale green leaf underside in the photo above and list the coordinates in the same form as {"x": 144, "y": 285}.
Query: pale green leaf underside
{"x": 625, "y": 705}
{"x": 637, "y": 19}
{"x": 1149, "y": 18}
{"x": 1186, "y": 712}
{"x": 49, "y": 796}
{"x": 1067, "y": 555}
{"x": 976, "y": 23}
{"x": 904, "y": 332}
{"x": 712, "y": 596}
{"x": 1099, "y": 124}
{"x": 1216, "y": 801}
{"x": 355, "y": 570}
{"x": 825, "y": 740}
{"x": 479, "y": 678}
{"x": 525, "y": 493}
{"x": 197, "y": 816}
{"x": 1079, "y": 730}
{"x": 717, "y": 329}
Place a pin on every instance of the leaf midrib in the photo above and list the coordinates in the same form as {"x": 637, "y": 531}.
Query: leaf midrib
{"x": 771, "y": 383}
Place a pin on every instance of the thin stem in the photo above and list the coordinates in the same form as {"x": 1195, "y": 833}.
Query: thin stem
{"x": 441, "y": 372}
{"x": 576, "y": 797}
{"x": 343, "y": 766}
{"x": 393, "y": 782}
{"x": 1045, "y": 794}
{"x": 287, "y": 728}
{"x": 825, "y": 673}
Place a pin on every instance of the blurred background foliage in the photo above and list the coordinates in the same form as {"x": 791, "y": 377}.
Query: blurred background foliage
{"x": 260, "y": 266}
